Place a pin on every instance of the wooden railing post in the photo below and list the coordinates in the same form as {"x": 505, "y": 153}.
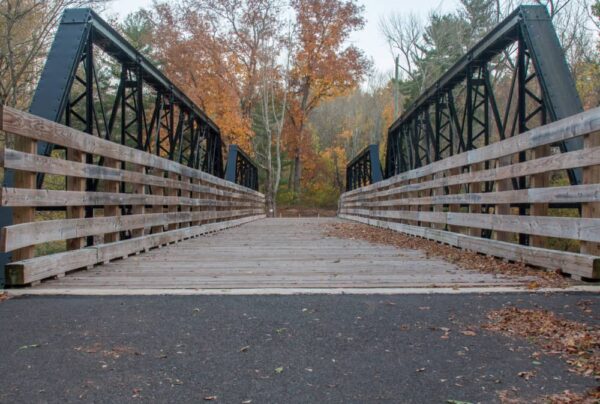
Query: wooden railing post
{"x": 454, "y": 207}
{"x": 24, "y": 179}
{"x": 157, "y": 191}
{"x": 139, "y": 189}
{"x": 75, "y": 184}
{"x": 111, "y": 210}
{"x": 503, "y": 209}
{"x": 591, "y": 175}
{"x": 196, "y": 195}
{"x": 185, "y": 194}
{"x": 541, "y": 180}
{"x": 438, "y": 191}
{"x": 173, "y": 192}
{"x": 474, "y": 188}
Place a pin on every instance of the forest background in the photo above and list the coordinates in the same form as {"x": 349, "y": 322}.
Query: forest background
{"x": 281, "y": 77}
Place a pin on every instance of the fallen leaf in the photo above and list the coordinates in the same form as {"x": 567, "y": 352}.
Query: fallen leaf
{"x": 244, "y": 348}
{"x": 469, "y": 333}
{"x": 278, "y": 370}
{"x": 29, "y": 346}
{"x": 526, "y": 375}
{"x": 575, "y": 342}
{"x": 462, "y": 258}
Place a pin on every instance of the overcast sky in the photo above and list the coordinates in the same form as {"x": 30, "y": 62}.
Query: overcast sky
{"x": 369, "y": 39}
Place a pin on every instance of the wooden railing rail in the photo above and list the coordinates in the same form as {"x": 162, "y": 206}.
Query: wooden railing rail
{"x": 443, "y": 201}
{"x": 151, "y": 200}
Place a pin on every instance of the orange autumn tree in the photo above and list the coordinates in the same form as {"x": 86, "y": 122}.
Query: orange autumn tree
{"x": 324, "y": 66}
{"x": 211, "y": 49}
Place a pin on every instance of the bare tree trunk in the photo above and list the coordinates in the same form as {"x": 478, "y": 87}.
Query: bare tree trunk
{"x": 297, "y": 171}
{"x": 291, "y": 177}
{"x": 273, "y": 120}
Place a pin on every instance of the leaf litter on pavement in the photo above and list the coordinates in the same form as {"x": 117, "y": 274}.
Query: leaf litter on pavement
{"x": 577, "y": 343}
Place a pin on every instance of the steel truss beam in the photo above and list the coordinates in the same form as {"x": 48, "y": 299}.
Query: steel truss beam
{"x": 364, "y": 169}
{"x": 463, "y": 110}
{"x": 147, "y": 111}
{"x": 241, "y": 169}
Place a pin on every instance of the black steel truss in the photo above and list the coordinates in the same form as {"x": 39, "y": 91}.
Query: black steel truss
{"x": 146, "y": 111}
{"x": 364, "y": 169}
{"x": 241, "y": 169}
{"x": 463, "y": 110}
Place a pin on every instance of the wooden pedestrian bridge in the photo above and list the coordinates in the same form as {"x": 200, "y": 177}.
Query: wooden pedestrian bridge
{"x": 122, "y": 197}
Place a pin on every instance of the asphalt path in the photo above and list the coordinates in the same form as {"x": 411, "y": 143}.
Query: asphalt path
{"x": 275, "y": 349}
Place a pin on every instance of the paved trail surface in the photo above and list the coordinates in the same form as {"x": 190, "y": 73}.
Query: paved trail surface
{"x": 273, "y": 349}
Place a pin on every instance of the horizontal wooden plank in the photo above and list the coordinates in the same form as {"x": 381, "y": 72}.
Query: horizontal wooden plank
{"x": 304, "y": 257}
{"x": 586, "y": 229}
{"x": 47, "y": 198}
{"x": 563, "y": 161}
{"x": 17, "y": 160}
{"x": 27, "y": 234}
{"x": 34, "y": 269}
{"x": 31, "y": 270}
{"x": 555, "y": 132}
{"x": 33, "y": 127}
{"x": 567, "y": 194}
{"x": 578, "y": 264}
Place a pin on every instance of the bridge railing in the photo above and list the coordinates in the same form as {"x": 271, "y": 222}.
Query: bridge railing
{"x": 444, "y": 201}
{"x": 142, "y": 200}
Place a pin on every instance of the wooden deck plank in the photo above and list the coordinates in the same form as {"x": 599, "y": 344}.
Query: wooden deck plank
{"x": 276, "y": 253}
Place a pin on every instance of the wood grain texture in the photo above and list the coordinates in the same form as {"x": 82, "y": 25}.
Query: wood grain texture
{"x": 24, "y": 179}
{"x": 35, "y": 269}
{"x": 586, "y": 229}
{"x": 563, "y": 161}
{"x": 591, "y": 209}
{"x": 32, "y": 233}
{"x": 572, "y": 263}
{"x": 16, "y": 160}
{"x": 282, "y": 253}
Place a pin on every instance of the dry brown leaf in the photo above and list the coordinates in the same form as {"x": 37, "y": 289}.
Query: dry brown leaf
{"x": 577, "y": 343}
{"x": 462, "y": 258}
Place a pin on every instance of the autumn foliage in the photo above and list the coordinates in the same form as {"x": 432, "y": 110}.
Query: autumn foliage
{"x": 324, "y": 67}
{"x": 229, "y": 57}
{"x": 196, "y": 60}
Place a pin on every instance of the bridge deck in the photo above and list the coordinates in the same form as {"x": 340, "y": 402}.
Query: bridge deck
{"x": 275, "y": 253}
